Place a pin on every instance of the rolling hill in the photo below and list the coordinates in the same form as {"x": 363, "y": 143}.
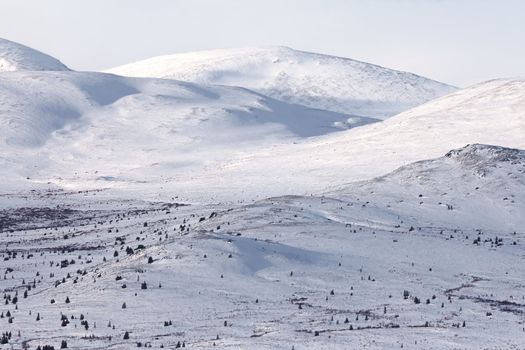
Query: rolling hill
{"x": 487, "y": 113}
{"x": 72, "y": 123}
{"x": 318, "y": 81}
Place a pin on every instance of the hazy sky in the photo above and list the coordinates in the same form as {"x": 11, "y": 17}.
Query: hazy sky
{"x": 455, "y": 41}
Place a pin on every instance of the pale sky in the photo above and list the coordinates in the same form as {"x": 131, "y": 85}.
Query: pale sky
{"x": 455, "y": 41}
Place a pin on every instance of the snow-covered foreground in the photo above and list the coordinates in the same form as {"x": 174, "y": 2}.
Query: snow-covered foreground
{"x": 403, "y": 261}
{"x": 318, "y": 81}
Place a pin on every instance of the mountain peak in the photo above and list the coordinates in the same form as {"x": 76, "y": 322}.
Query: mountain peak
{"x": 481, "y": 154}
{"x": 18, "y": 57}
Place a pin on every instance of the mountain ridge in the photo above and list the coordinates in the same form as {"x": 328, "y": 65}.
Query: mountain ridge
{"x": 315, "y": 80}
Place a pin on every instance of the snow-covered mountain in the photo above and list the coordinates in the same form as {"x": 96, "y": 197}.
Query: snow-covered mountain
{"x": 156, "y": 213}
{"x": 487, "y": 113}
{"x": 37, "y": 105}
{"x": 81, "y": 129}
{"x": 15, "y": 57}
{"x": 81, "y": 123}
{"x": 314, "y": 80}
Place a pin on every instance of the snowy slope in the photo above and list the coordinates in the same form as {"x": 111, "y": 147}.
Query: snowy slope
{"x": 66, "y": 123}
{"x": 369, "y": 265}
{"x": 453, "y": 190}
{"x": 89, "y": 130}
{"x": 488, "y": 113}
{"x": 92, "y": 130}
{"x": 318, "y": 81}
{"x": 14, "y": 57}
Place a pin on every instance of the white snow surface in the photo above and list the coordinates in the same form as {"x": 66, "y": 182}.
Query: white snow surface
{"x": 15, "y": 57}
{"x": 315, "y": 272}
{"x": 93, "y": 130}
{"x": 212, "y": 216}
{"x": 96, "y": 124}
{"x": 453, "y": 190}
{"x": 488, "y": 113}
{"x": 318, "y": 81}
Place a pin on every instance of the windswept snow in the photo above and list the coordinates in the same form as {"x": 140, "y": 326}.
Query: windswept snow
{"x": 318, "y": 81}
{"x": 15, "y": 57}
